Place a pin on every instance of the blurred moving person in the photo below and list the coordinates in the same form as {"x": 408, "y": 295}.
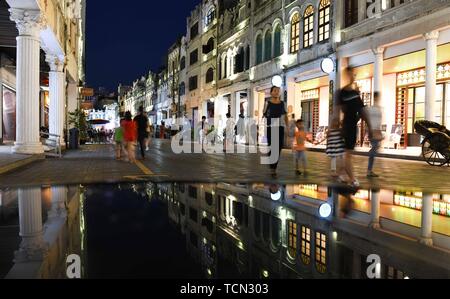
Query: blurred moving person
{"x": 374, "y": 116}
{"x": 130, "y": 136}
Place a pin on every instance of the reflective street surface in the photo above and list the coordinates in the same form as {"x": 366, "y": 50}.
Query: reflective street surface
{"x": 182, "y": 230}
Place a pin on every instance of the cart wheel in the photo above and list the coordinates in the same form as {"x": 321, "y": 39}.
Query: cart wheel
{"x": 432, "y": 155}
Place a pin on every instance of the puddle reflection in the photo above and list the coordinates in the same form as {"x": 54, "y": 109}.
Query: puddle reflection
{"x": 174, "y": 230}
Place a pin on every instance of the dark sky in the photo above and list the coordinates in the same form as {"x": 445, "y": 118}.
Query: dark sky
{"x": 125, "y": 39}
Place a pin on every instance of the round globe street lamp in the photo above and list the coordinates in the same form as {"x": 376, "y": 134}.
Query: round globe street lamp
{"x": 325, "y": 210}
{"x": 327, "y": 65}
{"x": 277, "y": 81}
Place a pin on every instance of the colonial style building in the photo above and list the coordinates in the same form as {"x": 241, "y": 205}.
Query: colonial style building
{"x": 56, "y": 28}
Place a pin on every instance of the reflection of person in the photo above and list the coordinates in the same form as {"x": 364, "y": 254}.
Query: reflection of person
{"x": 274, "y": 113}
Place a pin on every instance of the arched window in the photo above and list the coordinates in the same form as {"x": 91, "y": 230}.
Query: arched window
{"x": 182, "y": 89}
{"x": 239, "y": 61}
{"x": 209, "y": 46}
{"x": 209, "y": 75}
{"x": 247, "y": 58}
{"x": 259, "y": 50}
{"x": 210, "y": 16}
{"x": 277, "y": 41}
{"x": 268, "y": 45}
{"x": 182, "y": 63}
{"x": 308, "y": 27}
{"x": 295, "y": 33}
{"x": 324, "y": 20}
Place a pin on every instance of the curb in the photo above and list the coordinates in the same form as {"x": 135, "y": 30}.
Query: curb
{"x": 21, "y": 163}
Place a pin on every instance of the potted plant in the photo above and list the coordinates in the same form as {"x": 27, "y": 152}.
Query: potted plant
{"x": 77, "y": 119}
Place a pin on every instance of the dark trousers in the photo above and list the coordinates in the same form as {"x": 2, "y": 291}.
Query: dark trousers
{"x": 142, "y": 145}
{"x": 280, "y": 141}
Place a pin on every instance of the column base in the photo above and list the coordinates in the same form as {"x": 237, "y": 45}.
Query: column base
{"x": 426, "y": 241}
{"x": 28, "y": 148}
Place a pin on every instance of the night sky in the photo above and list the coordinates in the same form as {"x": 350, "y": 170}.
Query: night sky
{"x": 125, "y": 39}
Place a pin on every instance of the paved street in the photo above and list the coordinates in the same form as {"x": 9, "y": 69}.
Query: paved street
{"x": 96, "y": 164}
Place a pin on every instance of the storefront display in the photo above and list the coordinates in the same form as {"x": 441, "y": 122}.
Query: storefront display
{"x": 310, "y": 110}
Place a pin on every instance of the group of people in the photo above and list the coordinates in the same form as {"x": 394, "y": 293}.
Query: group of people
{"x": 100, "y": 135}
{"x": 132, "y": 132}
{"x": 341, "y": 137}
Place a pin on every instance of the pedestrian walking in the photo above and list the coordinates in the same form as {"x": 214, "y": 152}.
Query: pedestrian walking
{"x": 203, "y": 129}
{"x": 299, "y": 148}
{"x": 119, "y": 141}
{"x": 335, "y": 148}
{"x": 275, "y": 112}
{"x": 374, "y": 117}
{"x": 162, "y": 130}
{"x": 130, "y": 136}
{"x": 229, "y": 133}
{"x": 142, "y": 124}
{"x": 240, "y": 130}
{"x": 350, "y": 103}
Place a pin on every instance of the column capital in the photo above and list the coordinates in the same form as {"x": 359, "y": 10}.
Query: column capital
{"x": 432, "y": 35}
{"x": 55, "y": 62}
{"x": 378, "y": 50}
{"x": 28, "y": 22}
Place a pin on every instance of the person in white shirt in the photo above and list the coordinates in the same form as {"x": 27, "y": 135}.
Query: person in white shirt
{"x": 229, "y": 133}
{"x": 374, "y": 115}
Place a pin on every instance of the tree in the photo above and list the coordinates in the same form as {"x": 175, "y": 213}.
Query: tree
{"x": 78, "y": 120}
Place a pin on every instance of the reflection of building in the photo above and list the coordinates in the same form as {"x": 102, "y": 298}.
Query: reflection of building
{"x": 238, "y": 231}
{"x": 45, "y": 69}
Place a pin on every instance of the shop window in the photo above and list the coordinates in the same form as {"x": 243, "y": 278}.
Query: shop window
{"x": 277, "y": 41}
{"x": 182, "y": 88}
{"x": 292, "y": 239}
{"x": 324, "y": 20}
{"x": 259, "y": 49}
{"x": 308, "y": 27}
{"x": 321, "y": 252}
{"x": 295, "y": 33}
{"x": 306, "y": 245}
{"x": 268, "y": 45}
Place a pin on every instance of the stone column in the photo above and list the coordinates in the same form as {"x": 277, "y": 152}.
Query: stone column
{"x": 29, "y": 24}
{"x": 431, "y": 69}
{"x": 59, "y": 198}
{"x": 375, "y": 211}
{"x": 426, "y": 237}
{"x": 57, "y": 95}
{"x": 32, "y": 247}
{"x": 378, "y": 69}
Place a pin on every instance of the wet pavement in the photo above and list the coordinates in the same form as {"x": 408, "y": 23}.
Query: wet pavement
{"x": 96, "y": 164}
{"x": 220, "y": 230}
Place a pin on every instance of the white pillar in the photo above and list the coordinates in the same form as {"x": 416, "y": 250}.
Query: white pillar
{"x": 427, "y": 220}
{"x": 57, "y": 95}
{"x": 32, "y": 247}
{"x": 59, "y": 198}
{"x": 29, "y": 24}
{"x": 375, "y": 211}
{"x": 431, "y": 69}
{"x": 378, "y": 69}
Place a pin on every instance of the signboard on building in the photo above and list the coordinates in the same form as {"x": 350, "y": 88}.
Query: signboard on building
{"x": 87, "y": 92}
